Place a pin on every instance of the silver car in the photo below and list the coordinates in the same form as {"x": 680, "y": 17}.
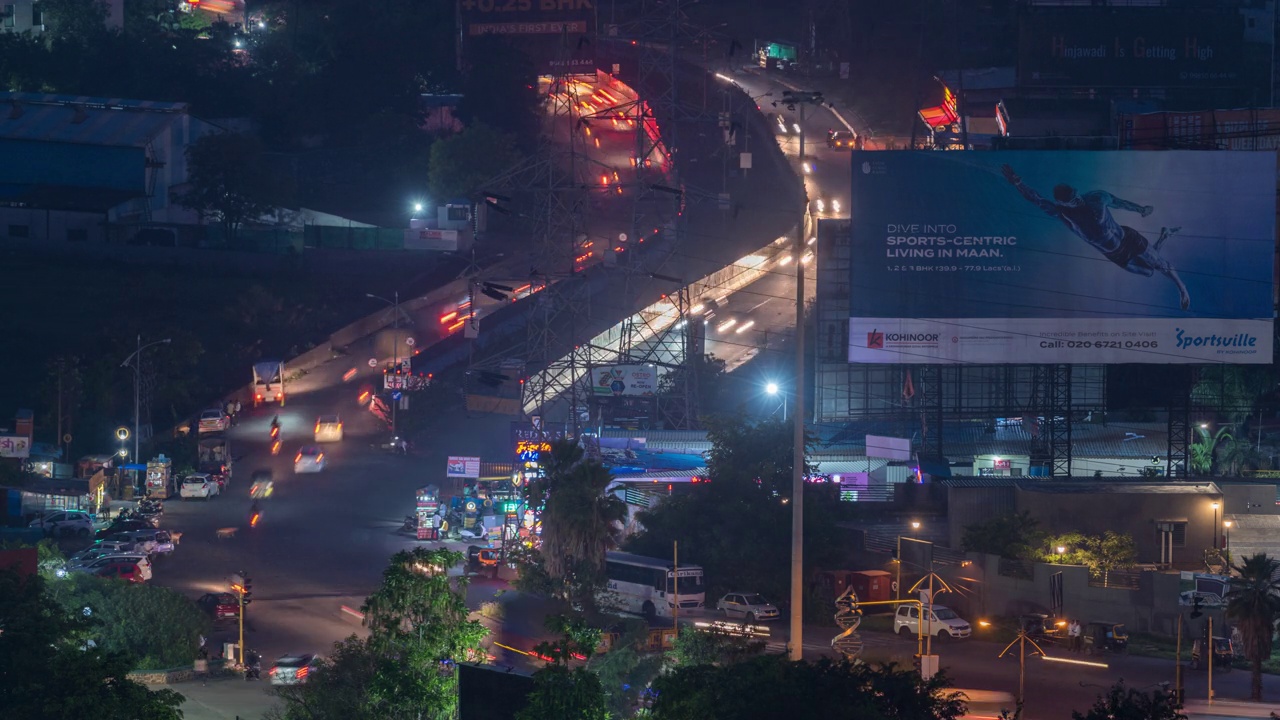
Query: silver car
{"x": 749, "y": 606}
{"x": 293, "y": 669}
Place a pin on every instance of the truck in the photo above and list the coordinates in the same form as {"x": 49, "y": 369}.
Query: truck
{"x": 213, "y": 457}
{"x": 268, "y": 382}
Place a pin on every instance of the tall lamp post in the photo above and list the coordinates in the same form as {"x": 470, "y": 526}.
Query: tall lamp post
{"x": 395, "y": 350}
{"x": 797, "y": 465}
{"x": 1216, "y": 546}
{"x": 136, "y": 359}
{"x": 1226, "y": 539}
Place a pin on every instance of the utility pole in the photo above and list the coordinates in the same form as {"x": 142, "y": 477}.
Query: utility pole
{"x": 675, "y": 609}
{"x": 136, "y": 359}
{"x": 395, "y": 352}
{"x": 797, "y": 464}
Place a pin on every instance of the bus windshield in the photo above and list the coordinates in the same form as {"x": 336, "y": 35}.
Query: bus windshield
{"x": 689, "y": 584}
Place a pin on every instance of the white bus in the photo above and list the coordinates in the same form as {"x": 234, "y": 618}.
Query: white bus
{"x": 648, "y": 586}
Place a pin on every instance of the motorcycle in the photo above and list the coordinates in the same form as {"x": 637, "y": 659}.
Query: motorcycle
{"x": 410, "y": 524}
{"x": 396, "y": 445}
{"x": 275, "y": 448}
{"x": 253, "y": 667}
{"x": 254, "y": 515}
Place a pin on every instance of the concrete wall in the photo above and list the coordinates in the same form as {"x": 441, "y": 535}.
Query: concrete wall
{"x": 52, "y": 226}
{"x": 971, "y": 505}
{"x": 1093, "y": 513}
{"x": 1153, "y": 607}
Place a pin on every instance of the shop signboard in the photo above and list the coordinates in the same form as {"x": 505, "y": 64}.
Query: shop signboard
{"x": 431, "y": 239}
{"x": 625, "y": 381}
{"x": 462, "y": 467}
{"x": 1062, "y": 257}
{"x": 15, "y": 446}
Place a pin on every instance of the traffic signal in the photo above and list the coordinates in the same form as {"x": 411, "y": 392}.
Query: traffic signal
{"x": 246, "y": 591}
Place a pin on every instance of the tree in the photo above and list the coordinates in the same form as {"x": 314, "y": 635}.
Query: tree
{"x": 1121, "y": 703}
{"x": 711, "y": 647}
{"x": 1014, "y": 536}
{"x": 707, "y": 374}
{"x": 337, "y": 691}
{"x": 49, "y": 669}
{"x": 155, "y": 626}
{"x": 75, "y": 21}
{"x": 462, "y": 163}
{"x": 418, "y": 627}
{"x": 738, "y": 529}
{"x": 500, "y": 89}
{"x": 229, "y": 180}
{"x": 1102, "y": 554}
{"x": 563, "y": 692}
{"x": 580, "y": 522}
{"x": 1253, "y": 603}
{"x": 770, "y": 686}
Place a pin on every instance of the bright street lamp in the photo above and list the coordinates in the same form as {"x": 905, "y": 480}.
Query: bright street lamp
{"x": 1061, "y": 550}
{"x": 915, "y": 524}
{"x": 417, "y": 207}
{"x": 772, "y": 389}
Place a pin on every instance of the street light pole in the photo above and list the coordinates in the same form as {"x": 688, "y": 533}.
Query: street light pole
{"x": 136, "y": 358}
{"x": 797, "y": 466}
{"x": 1021, "y": 641}
{"x": 395, "y": 350}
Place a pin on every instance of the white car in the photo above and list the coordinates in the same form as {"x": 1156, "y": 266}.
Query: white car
{"x": 310, "y": 459}
{"x": 293, "y": 669}
{"x": 940, "y": 621}
{"x": 142, "y": 541}
{"x": 199, "y": 485}
{"x": 214, "y": 420}
{"x": 328, "y": 428}
{"x": 749, "y": 606}
{"x": 144, "y": 565}
{"x": 65, "y": 522}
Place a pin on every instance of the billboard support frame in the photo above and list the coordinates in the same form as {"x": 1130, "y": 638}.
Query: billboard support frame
{"x": 1058, "y": 412}
{"x": 1178, "y": 460}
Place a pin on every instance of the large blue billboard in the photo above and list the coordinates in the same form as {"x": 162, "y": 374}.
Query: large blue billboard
{"x": 1043, "y": 257}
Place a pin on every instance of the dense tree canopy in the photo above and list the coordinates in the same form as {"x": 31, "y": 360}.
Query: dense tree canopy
{"x": 52, "y": 665}
{"x": 1253, "y": 603}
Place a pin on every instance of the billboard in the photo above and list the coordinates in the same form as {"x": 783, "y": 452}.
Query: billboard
{"x": 1242, "y": 129}
{"x": 625, "y": 381}
{"x": 462, "y": 467}
{"x": 1143, "y": 47}
{"x": 558, "y": 35}
{"x": 1062, "y": 257}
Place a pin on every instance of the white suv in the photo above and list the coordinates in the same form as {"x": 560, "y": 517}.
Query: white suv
{"x": 65, "y": 522}
{"x": 942, "y": 622}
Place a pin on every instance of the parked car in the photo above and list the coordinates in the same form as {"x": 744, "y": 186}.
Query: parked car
{"x": 59, "y": 523}
{"x": 119, "y": 543}
{"x": 92, "y": 566}
{"x": 198, "y": 485}
{"x": 293, "y": 669}
{"x": 221, "y": 606}
{"x": 939, "y": 620}
{"x": 214, "y": 420}
{"x": 328, "y": 428}
{"x": 749, "y": 606}
{"x": 144, "y": 541}
{"x": 310, "y": 459}
{"x": 120, "y": 526}
{"x": 123, "y": 570}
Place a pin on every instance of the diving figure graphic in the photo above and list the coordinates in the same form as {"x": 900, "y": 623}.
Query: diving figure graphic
{"x": 1089, "y": 217}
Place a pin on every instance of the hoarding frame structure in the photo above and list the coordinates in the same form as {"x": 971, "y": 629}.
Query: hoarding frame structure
{"x": 559, "y": 36}
{"x": 994, "y": 269}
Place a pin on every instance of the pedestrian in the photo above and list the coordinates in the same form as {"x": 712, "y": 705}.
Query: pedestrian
{"x": 1073, "y": 636}
{"x": 237, "y": 406}
{"x": 231, "y": 409}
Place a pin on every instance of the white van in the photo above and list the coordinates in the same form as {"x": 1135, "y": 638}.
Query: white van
{"x": 939, "y": 620}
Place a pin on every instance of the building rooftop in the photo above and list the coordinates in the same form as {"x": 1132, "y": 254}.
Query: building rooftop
{"x": 84, "y": 120}
{"x": 1118, "y": 487}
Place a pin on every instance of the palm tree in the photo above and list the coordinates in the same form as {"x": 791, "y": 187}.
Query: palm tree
{"x": 1253, "y": 602}
{"x": 580, "y": 522}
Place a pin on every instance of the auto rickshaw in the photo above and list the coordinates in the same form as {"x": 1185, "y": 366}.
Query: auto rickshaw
{"x": 262, "y": 485}
{"x": 1223, "y": 653}
{"x": 1100, "y": 637}
{"x": 1043, "y": 628}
